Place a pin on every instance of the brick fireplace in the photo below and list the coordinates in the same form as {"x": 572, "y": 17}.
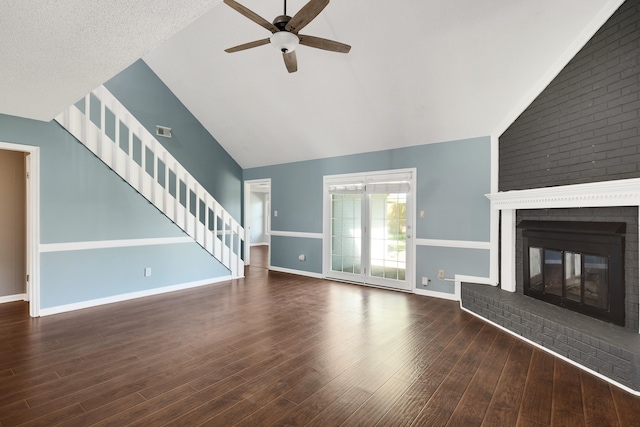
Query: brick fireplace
{"x": 574, "y": 156}
{"x": 604, "y": 348}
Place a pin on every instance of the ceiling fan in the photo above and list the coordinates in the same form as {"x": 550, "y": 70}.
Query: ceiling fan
{"x": 284, "y": 29}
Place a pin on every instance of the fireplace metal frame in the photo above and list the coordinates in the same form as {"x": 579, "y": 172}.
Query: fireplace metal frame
{"x": 605, "y": 239}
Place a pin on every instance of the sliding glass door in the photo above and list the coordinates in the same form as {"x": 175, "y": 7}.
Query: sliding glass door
{"x": 369, "y": 228}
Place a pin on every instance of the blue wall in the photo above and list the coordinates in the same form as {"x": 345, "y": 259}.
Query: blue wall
{"x": 75, "y": 276}
{"x": 82, "y": 200}
{"x": 285, "y": 252}
{"x": 142, "y": 92}
{"x": 452, "y": 180}
{"x": 469, "y": 262}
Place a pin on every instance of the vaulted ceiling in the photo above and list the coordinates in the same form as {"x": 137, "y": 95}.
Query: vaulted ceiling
{"x": 419, "y": 71}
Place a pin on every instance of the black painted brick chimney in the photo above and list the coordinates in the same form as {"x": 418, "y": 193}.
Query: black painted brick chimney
{"x": 585, "y": 126}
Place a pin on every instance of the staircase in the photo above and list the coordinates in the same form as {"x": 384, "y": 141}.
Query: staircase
{"x": 130, "y": 150}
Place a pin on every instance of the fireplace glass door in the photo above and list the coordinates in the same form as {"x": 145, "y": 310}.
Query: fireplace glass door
{"x": 569, "y": 275}
{"x": 579, "y": 266}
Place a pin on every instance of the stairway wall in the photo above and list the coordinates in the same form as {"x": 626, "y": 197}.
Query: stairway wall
{"x": 152, "y": 103}
{"x": 83, "y": 202}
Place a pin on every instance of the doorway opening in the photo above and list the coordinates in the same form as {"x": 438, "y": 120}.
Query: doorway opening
{"x": 257, "y": 218}
{"x": 31, "y": 197}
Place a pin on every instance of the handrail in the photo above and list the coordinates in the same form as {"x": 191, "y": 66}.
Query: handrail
{"x": 150, "y": 169}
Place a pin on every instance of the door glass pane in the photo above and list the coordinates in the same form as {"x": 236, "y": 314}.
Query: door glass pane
{"x": 346, "y": 227}
{"x": 388, "y": 236}
{"x": 573, "y": 276}
{"x": 553, "y": 272}
{"x": 596, "y": 286}
{"x": 535, "y": 268}
{"x": 402, "y": 268}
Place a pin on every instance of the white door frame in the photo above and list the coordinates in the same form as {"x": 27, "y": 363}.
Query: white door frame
{"x": 32, "y": 165}
{"x": 411, "y": 232}
{"x": 247, "y": 217}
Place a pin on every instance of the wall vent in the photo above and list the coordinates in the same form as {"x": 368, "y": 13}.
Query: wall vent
{"x": 163, "y": 131}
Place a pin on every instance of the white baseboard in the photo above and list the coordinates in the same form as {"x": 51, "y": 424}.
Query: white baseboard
{"x": 457, "y": 283}
{"x": 459, "y": 279}
{"x": 13, "y": 298}
{"x": 298, "y": 272}
{"x": 133, "y": 295}
{"x": 435, "y": 294}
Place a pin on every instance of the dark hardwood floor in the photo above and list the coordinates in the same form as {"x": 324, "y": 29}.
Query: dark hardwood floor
{"x": 260, "y": 257}
{"x": 278, "y": 349}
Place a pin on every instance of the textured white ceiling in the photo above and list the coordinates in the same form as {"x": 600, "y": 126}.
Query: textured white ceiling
{"x": 419, "y": 71}
{"x": 55, "y": 52}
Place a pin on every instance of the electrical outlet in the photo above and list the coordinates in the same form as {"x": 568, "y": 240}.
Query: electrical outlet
{"x": 275, "y": 213}
{"x": 425, "y": 281}
{"x": 147, "y": 272}
{"x": 422, "y": 215}
{"x": 440, "y": 274}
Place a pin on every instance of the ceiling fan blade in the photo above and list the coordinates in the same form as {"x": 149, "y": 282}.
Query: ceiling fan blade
{"x": 306, "y": 15}
{"x": 325, "y": 44}
{"x": 247, "y": 45}
{"x": 290, "y": 61}
{"x": 252, "y": 15}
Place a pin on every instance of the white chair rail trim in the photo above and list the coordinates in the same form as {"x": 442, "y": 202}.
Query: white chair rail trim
{"x": 105, "y": 244}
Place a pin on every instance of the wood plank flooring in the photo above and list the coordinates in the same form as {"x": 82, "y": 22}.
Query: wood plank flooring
{"x": 283, "y": 350}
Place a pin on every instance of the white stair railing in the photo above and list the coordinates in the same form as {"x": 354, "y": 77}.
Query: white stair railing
{"x": 135, "y": 154}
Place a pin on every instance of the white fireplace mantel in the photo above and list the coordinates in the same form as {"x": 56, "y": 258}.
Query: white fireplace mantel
{"x": 623, "y": 192}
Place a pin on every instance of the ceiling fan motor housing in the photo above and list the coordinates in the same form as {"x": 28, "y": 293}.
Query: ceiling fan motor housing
{"x": 281, "y": 21}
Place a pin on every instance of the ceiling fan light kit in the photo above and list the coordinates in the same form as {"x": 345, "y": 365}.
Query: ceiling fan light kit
{"x": 284, "y": 41}
{"x": 285, "y": 30}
